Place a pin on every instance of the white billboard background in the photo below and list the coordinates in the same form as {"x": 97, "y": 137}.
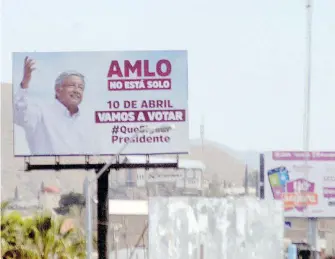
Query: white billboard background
{"x": 94, "y": 66}
{"x": 316, "y": 182}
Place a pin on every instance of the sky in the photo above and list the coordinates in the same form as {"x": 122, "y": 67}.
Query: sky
{"x": 246, "y": 59}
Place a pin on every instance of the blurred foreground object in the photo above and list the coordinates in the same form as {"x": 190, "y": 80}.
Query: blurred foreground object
{"x": 292, "y": 252}
{"x": 222, "y": 228}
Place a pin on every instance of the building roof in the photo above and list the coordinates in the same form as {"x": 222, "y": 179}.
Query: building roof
{"x": 51, "y": 189}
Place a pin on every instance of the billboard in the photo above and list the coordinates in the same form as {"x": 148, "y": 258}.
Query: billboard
{"x": 306, "y": 189}
{"x": 190, "y": 179}
{"x": 98, "y": 103}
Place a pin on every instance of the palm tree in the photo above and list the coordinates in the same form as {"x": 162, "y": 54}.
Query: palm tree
{"x": 12, "y": 238}
{"x": 4, "y": 206}
{"x": 41, "y": 236}
{"x": 48, "y": 236}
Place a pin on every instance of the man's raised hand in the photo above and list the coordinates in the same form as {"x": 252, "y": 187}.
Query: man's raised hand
{"x": 27, "y": 71}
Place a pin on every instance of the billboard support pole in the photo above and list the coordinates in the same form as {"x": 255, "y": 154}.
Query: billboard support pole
{"x": 260, "y": 180}
{"x": 103, "y": 214}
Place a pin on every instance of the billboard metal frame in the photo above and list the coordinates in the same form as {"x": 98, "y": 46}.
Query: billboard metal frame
{"x": 102, "y": 187}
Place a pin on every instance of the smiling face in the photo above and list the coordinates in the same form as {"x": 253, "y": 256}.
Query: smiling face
{"x": 70, "y": 92}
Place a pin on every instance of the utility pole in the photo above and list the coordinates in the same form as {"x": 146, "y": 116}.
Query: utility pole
{"x": 246, "y": 180}
{"x": 312, "y": 222}
{"x": 202, "y": 135}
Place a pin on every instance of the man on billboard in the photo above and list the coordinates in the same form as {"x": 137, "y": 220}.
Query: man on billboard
{"x": 56, "y": 128}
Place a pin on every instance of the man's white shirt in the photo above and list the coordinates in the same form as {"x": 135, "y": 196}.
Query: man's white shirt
{"x": 51, "y": 130}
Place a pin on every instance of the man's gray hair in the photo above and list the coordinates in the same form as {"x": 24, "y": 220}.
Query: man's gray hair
{"x": 60, "y": 79}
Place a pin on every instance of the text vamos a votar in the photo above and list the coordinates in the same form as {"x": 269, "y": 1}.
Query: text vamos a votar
{"x": 139, "y": 116}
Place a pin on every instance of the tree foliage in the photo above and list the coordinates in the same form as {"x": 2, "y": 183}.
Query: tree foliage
{"x": 41, "y": 236}
{"x": 69, "y": 200}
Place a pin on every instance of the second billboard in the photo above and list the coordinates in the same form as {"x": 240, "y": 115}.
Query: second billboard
{"x": 305, "y": 185}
